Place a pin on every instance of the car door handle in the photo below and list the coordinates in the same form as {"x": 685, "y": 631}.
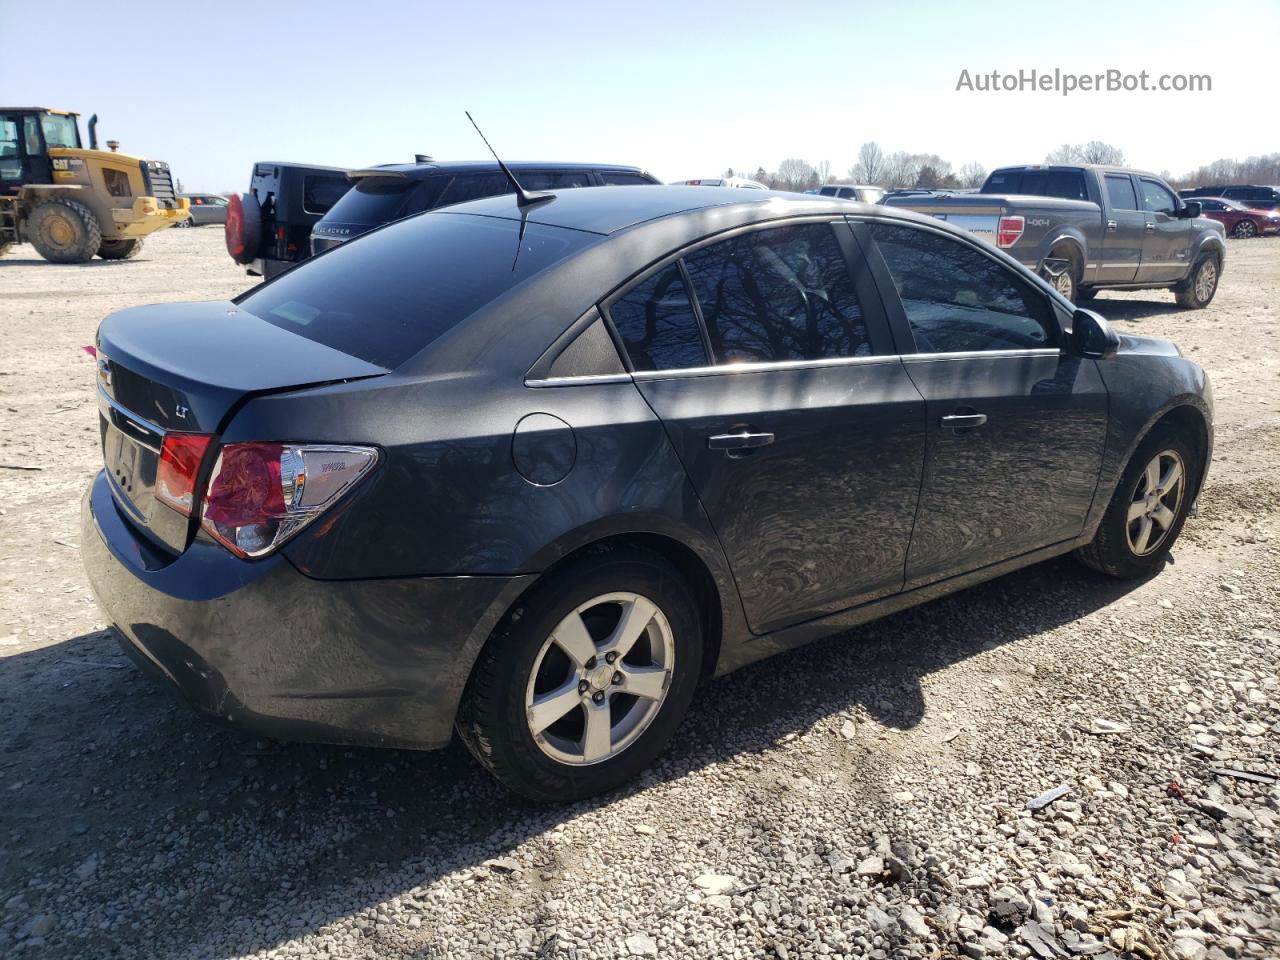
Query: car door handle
{"x": 1112, "y": 226}
{"x": 739, "y": 441}
{"x": 1151, "y": 228}
{"x": 963, "y": 421}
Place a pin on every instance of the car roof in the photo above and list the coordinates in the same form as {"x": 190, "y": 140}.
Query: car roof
{"x": 608, "y": 210}
{"x": 422, "y": 170}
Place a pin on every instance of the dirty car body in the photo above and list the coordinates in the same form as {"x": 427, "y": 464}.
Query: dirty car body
{"x": 544, "y": 400}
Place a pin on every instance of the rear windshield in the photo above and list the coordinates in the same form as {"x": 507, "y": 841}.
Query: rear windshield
{"x": 372, "y": 201}
{"x": 385, "y": 295}
{"x": 1067, "y": 184}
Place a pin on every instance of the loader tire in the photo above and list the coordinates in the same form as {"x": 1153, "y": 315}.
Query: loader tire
{"x": 120, "y": 249}
{"x": 64, "y": 231}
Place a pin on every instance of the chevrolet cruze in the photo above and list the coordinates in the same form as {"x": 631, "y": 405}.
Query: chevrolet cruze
{"x": 529, "y": 471}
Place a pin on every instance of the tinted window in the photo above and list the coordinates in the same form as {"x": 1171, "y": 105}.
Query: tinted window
{"x": 1211, "y": 205}
{"x": 1068, "y": 184}
{"x": 553, "y": 180}
{"x": 1158, "y": 198}
{"x": 319, "y": 193}
{"x": 624, "y": 179}
{"x": 473, "y": 186}
{"x": 1120, "y": 191}
{"x": 657, "y": 324}
{"x": 1261, "y": 195}
{"x": 387, "y": 295}
{"x": 372, "y": 200}
{"x": 1235, "y": 193}
{"x": 828, "y": 191}
{"x": 957, "y": 298}
{"x": 778, "y": 294}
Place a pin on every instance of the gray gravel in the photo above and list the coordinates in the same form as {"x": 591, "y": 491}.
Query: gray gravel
{"x": 865, "y": 796}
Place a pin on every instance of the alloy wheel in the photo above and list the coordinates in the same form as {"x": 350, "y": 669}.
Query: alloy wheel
{"x": 1206, "y": 281}
{"x": 1064, "y": 283}
{"x": 1153, "y": 508}
{"x": 1244, "y": 229}
{"x": 600, "y": 679}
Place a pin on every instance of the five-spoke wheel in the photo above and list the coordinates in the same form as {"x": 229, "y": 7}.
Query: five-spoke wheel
{"x": 1155, "y": 502}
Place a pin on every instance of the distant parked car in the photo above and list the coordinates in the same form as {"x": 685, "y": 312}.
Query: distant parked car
{"x": 386, "y": 193}
{"x": 1238, "y": 220}
{"x": 1086, "y": 227}
{"x": 1250, "y": 195}
{"x": 851, "y": 191}
{"x": 206, "y": 208}
{"x": 740, "y": 182}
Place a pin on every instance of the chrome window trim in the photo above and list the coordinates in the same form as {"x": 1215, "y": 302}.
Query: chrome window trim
{"x": 784, "y": 365}
{"x": 978, "y": 354}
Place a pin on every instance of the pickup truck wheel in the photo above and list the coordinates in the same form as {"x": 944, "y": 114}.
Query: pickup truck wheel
{"x": 1198, "y": 289}
{"x": 1066, "y": 282}
{"x": 1244, "y": 230}
{"x": 1148, "y": 508}
{"x": 1085, "y": 294}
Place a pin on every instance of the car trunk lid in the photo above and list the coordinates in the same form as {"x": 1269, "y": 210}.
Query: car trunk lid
{"x": 184, "y": 368}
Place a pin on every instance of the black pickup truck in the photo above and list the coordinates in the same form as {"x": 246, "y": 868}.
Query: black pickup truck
{"x": 1087, "y": 228}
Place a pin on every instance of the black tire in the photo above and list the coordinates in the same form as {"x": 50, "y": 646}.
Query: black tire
{"x": 4, "y": 248}
{"x": 1085, "y": 294}
{"x": 493, "y": 720}
{"x": 1192, "y": 293}
{"x": 64, "y": 231}
{"x": 1111, "y": 551}
{"x": 120, "y": 249}
{"x": 188, "y": 222}
{"x": 1244, "y": 229}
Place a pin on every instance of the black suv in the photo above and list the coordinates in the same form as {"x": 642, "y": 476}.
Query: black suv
{"x": 392, "y": 192}
{"x": 1250, "y": 195}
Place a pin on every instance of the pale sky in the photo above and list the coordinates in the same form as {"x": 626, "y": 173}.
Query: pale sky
{"x": 683, "y": 89}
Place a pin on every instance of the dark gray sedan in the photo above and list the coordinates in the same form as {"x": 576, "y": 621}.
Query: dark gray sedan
{"x": 532, "y": 472}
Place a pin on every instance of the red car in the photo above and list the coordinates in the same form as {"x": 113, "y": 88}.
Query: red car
{"x": 1238, "y": 220}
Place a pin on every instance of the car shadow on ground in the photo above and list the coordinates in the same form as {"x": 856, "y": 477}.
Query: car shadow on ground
{"x": 87, "y": 265}
{"x": 101, "y": 764}
{"x": 1132, "y": 310}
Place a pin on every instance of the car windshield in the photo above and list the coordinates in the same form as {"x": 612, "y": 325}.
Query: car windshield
{"x": 60, "y": 130}
{"x": 384, "y": 296}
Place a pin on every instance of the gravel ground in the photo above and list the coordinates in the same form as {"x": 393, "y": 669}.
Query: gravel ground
{"x": 864, "y": 796}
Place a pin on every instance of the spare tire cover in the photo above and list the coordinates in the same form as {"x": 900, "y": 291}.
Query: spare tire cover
{"x": 243, "y": 228}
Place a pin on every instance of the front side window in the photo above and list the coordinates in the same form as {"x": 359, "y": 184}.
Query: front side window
{"x": 958, "y": 299}
{"x": 59, "y": 131}
{"x": 1120, "y": 192}
{"x": 657, "y": 325}
{"x": 10, "y": 151}
{"x": 1158, "y": 198}
{"x": 778, "y": 294}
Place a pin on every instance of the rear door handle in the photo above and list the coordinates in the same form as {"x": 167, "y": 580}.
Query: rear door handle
{"x": 1151, "y": 228}
{"x": 739, "y": 441}
{"x": 963, "y": 421}
{"x": 1112, "y": 226}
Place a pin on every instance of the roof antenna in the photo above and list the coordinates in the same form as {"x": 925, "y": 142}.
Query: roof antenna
{"x": 523, "y": 197}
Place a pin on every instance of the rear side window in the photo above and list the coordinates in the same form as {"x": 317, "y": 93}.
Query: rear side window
{"x": 657, "y": 325}
{"x": 473, "y": 186}
{"x": 1120, "y": 192}
{"x": 386, "y": 295}
{"x": 373, "y": 200}
{"x": 554, "y": 180}
{"x": 615, "y": 179}
{"x": 1067, "y": 184}
{"x": 777, "y": 294}
{"x": 958, "y": 299}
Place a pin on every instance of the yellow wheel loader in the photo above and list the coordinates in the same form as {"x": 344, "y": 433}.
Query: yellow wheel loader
{"x": 73, "y": 203}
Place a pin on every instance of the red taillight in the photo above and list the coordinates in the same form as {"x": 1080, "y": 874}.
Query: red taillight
{"x": 180, "y": 457}
{"x": 261, "y": 494}
{"x": 1010, "y": 230}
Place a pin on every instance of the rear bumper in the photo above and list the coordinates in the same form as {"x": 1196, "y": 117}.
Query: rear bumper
{"x": 260, "y": 646}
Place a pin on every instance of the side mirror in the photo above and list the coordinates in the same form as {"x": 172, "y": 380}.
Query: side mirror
{"x": 1192, "y": 209}
{"x": 1092, "y": 336}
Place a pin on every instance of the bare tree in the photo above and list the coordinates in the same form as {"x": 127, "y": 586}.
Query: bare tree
{"x": 973, "y": 175}
{"x": 900, "y": 169}
{"x": 795, "y": 174}
{"x": 1095, "y": 151}
{"x": 870, "y": 167}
